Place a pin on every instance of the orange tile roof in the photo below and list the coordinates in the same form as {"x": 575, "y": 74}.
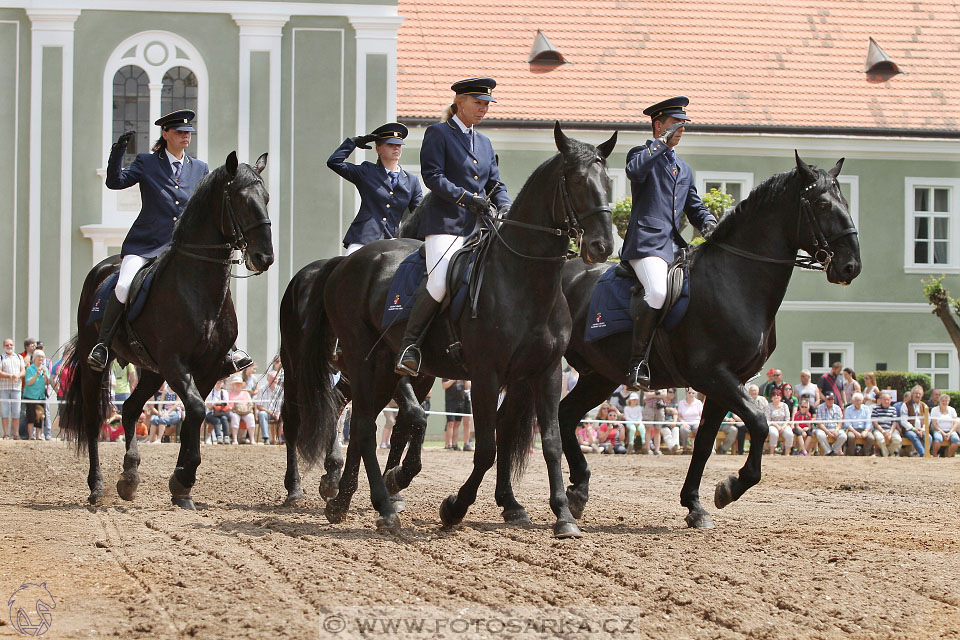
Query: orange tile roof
{"x": 743, "y": 63}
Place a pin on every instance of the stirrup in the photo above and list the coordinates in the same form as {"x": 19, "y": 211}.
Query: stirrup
{"x": 638, "y": 377}
{"x": 403, "y": 369}
{"x": 337, "y": 351}
{"x": 241, "y": 363}
{"x": 95, "y": 360}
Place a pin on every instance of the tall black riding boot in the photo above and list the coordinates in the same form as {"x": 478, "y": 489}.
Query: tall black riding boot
{"x": 638, "y": 375}
{"x": 421, "y": 316}
{"x": 100, "y": 354}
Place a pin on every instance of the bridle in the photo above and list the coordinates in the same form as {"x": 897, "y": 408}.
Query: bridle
{"x": 236, "y": 240}
{"x": 822, "y": 255}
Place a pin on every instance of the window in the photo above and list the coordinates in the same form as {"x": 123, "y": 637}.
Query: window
{"x": 131, "y": 109}
{"x": 939, "y": 361}
{"x": 736, "y": 184}
{"x": 931, "y": 245}
{"x": 179, "y": 92}
{"x": 818, "y": 356}
{"x": 619, "y": 185}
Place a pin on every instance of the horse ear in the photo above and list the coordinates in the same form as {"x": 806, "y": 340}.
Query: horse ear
{"x": 606, "y": 148}
{"x": 563, "y": 142}
{"x": 232, "y": 164}
{"x": 836, "y": 168}
{"x": 805, "y": 170}
{"x": 261, "y": 163}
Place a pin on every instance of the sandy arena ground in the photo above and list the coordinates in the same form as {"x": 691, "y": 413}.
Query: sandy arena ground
{"x": 821, "y": 548}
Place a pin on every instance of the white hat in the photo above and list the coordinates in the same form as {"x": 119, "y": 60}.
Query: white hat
{"x": 235, "y": 378}
{"x": 633, "y": 396}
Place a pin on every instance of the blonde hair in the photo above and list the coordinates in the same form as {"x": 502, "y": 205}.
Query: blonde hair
{"x": 452, "y": 107}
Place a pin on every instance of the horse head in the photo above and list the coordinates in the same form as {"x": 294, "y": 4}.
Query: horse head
{"x": 826, "y": 229}
{"x": 584, "y": 188}
{"x": 244, "y": 219}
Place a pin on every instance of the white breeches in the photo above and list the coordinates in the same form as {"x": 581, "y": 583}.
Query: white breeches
{"x": 354, "y": 247}
{"x": 440, "y": 248}
{"x": 652, "y": 272}
{"x": 128, "y": 268}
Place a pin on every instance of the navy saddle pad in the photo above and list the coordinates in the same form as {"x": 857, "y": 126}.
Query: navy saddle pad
{"x": 406, "y": 281}
{"x": 609, "y": 311}
{"x": 134, "y": 306}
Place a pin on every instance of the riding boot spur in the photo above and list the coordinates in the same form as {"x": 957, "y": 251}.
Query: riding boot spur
{"x": 422, "y": 314}
{"x": 644, "y": 323}
{"x": 100, "y": 354}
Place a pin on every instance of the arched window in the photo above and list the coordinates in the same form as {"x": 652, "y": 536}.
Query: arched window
{"x": 131, "y": 109}
{"x": 179, "y": 92}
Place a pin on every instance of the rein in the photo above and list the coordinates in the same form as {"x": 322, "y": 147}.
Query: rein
{"x": 237, "y": 239}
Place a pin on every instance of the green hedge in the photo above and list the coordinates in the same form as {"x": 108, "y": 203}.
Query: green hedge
{"x": 902, "y": 381}
{"x": 954, "y": 398}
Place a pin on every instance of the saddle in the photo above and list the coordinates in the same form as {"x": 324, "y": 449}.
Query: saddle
{"x": 676, "y": 283}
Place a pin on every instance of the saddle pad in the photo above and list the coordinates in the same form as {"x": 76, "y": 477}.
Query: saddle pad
{"x": 403, "y": 291}
{"x": 134, "y": 306}
{"x": 609, "y": 310}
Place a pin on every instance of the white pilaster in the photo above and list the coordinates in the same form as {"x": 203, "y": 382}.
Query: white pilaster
{"x": 51, "y": 28}
{"x": 262, "y": 32}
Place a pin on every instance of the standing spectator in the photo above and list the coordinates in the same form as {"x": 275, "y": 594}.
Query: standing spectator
{"x": 633, "y": 419}
{"x": 124, "y": 382}
{"x": 832, "y": 383}
{"x": 871, "y": 393}
{"x": 29, "y": 346}
{"x": 850, "y": 385}
{"x": 803, "y": 428}
{"x": 389, "y": 414}
{"x": 688, "y": 415}
{"x": 886, "y": 429}
{"x": 268, "y": 411}
{"x": 12, "y": 372}
{"x": 619, "y": 397}
{"x": 48, "y": 365}
{"x": 570, "y": 378}
{"x": 778, "y": 415}
{"x": 455, "y": 398}
{"x": 654, "y": 414}
{"x": 468, "y": 419}
{"x": 250, "y": 378}
{"x": 588, "y": 438}
{"x": 943, "y": 426}
{"x": 856, "y": 419}
{"x": 807, "y": 389}
{"x": 730, "y": 427}
{"x": 36, "y": 379}
{"x": 774, "y": 385}
{"x": 934, "y": 398}
{"x": 829, "y": 424}
{"x": 771, "y": 372}
{"x": 218, "y": 414}
{"x": 241, "y": 409}
{"x": 914, "y": 417}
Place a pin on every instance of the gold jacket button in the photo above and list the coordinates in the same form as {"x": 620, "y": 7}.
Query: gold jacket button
{"x": 176, "y": 202}
{"x": 476, "y": 177}
{"x": 388, "y": 206}
{"x": 176, "y": 186}
{"x": 174, "y": 218}
{"x": 384, "y": 219}
{"x": 474, "y": 162}
{"x": 391, "y": 193}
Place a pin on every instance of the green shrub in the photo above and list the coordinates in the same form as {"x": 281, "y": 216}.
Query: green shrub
{"x": 954, "y": 398}
{"x": 902, "y": 381}
{"x": 620, "y": 214}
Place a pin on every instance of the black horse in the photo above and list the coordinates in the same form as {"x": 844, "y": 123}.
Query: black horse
{"x": 515, "y": 342}
{"x": 187, "y": 326}
{"x": 728, "y": 331}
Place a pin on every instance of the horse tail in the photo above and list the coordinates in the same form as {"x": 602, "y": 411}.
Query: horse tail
{"x": 317, "y": 398}
{"x": 516, "y": 436}
{"x": 74, "y": 419}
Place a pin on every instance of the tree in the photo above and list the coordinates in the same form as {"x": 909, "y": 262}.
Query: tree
{"x": 944, "y": 307}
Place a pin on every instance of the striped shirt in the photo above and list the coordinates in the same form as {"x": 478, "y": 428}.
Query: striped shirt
{"x": 11, "y": 364}
{"x": 886, "y": 417}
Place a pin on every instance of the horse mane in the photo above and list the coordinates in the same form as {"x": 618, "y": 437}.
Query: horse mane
{"x": 202, "y": 195}
{"x": 577, "y": 153}
{"x": 762, "y": 196}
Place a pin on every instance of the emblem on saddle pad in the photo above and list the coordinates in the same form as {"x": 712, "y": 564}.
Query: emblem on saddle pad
{"x": 395, "y": 305}
{"x": 599, "y": 324}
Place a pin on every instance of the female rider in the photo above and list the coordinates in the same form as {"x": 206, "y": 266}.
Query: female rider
{"x": 459, "y": 166}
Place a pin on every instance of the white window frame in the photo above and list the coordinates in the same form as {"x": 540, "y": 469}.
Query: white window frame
{"x": 853, "y": 203}
{"x": 953, "y": 230}
{"x": 953, "y": 371}
{"x": 619, "y": 185}
{"x": 745, "y": 179}
{"x": 156, "y": 52}
{"x": 847, "y": 348}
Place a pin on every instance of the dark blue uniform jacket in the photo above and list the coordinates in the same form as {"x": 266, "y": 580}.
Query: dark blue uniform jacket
{"x": 381, "y": 205}
{"x": 659, "y": 199}
{"x": 162, "y": 198}
{"x": 454, "y": 173}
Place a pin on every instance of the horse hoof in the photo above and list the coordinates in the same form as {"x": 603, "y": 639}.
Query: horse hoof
{"x": 328, "y": 490}
{"x": 724, "y": 493}
{"x": 516, "y": 516}
{"x": 334, "y": 515}
{"x": 576, "y": 504}
{"x": 447, "y": 516}
{"x": 184, "y": 503}
{"x": 390, "y": 481}
{"x": 699, "y": 520}
{"x": 95, "y": 498}
{"x": 127, "y": 489}
{"x": 294, "y": 498}
{"x": 390, "y": 523}
{"x": 563, "y": 530}
{"x": 398, "y": 503}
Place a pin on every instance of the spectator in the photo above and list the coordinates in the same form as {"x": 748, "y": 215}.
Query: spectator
{"x": 850, "y": 385}
{"x": 29, "y": 346}
{"x": 808, "y": 390}
{"x": 856, "y": 419}
{"x": 389, "y": 414}
{"x": 250, "y": 378}
{"x": 633, "y": 419}
{"x": 619, "y": 398}
{"x": 934, "y": 398}
{"x": 455, "y": 397}
{"x": 268, "y": 410}
{"x": 36, "y": 379}
{"x": 124, "y": 382}
{"x": 730, "y": 427}
{"x": 468, "y": 419}
{"x": 570, "y": 378}
{"x": 654, "y": 415}
{"x": 832, "y": 383}
{"x": 774, "y": 385}
{"x": 12, "y": 372}
{"x": 112, "y": 429}
{"x": 48, "y": 364}
{"x": 688, "y": 415}
{"x": 62, "y": 373}
{"x": 166, "y": 415}
{"x": 914, "y": 417}
{"x": 771, "y": 372}
{"x": 789, "y": 399}
{"x": 588, "y": 438}
{"x": 141, "y": 428}
{"x": 218, "y": 414}
{"x": 829, "y": 424}
{"x": 609, "y": 433}
{"x": 871, "y": 393}
{"x": 778, "y": 415}
{"x": 943, "y": 426}
{"x": 803, "y": 428}
{"x": 761, "y": 404}
{"x": 241, "y": 409}
{"x": 886, "y": 429}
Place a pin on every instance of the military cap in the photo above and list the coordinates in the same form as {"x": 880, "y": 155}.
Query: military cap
{"x": 481, "y": 88}
{"x": 390, "y": 133}
{"x": 179, "y": 120}
{"x": 674, "y": 107}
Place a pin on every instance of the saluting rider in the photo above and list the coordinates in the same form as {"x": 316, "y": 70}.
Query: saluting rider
{"x": 459, "y": 166}
{"x": 386, "y": 190}
{"x": 663, "y": 190}
{"x": 167, "y": 178}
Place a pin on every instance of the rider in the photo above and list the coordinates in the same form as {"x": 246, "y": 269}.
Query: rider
{"x": 459, "y": 166}
{"x": 167, "y": 179}
{"x": 663, "y": 189}
{"x": 386, "y": 190}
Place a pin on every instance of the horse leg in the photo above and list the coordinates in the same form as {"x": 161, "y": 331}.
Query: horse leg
{"x": 410, "y": 428}
{"x": 734, "y": 397}
{"x": 336, "y": 508}
{"x": 148, "y": 384}
{"x": 484, "y": 396}
{"x": 366, "y": 409}
{"x": 333, "y": 462}
{"x": 547, "y": 401}
{"x": 591, "y": 389}
{"x": 710, "y": 421}
{"x": 184, "y": 476}
{"x": 514, "y": 413}
{"x": 92, "y": 419}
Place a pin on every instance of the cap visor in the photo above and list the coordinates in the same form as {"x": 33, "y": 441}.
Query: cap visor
{"x": 183, "y": 127}
{"x": 681, "y": 116}
{"x": 483, "y": 96}
{"x": 392, "y": 141}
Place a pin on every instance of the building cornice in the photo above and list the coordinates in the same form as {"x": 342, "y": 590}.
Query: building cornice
{"x": 339, "y": 9}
